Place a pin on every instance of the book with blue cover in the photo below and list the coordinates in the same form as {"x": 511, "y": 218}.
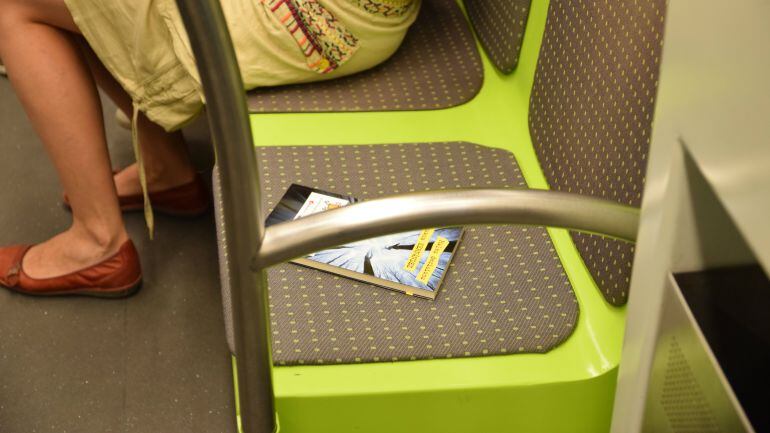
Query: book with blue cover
{"x": 413, "y": 262}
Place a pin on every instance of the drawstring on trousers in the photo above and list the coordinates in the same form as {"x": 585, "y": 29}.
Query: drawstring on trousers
{"x": 149, "y": 218}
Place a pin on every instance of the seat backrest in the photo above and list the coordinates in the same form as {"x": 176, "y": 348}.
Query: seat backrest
{"x": 500, "y": 26}
{"x": 591, "y": 113}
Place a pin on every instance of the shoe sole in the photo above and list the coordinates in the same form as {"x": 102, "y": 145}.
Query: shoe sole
{"x": 93, "y": 292}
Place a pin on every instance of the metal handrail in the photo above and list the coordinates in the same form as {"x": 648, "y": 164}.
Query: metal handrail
{"x": 247, "y": 245}
{"x": 460, "y": 207}
{"x": 240, "y": 208}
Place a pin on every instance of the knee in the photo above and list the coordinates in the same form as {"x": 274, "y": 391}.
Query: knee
{"x": 12, "y": 13}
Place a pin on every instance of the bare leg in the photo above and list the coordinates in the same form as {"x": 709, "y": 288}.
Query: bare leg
{"x": 53, "y": 82}
{"x": 166, "y": 157}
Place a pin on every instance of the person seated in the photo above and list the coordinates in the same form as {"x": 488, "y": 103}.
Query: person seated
{"x": 56, "y": 53}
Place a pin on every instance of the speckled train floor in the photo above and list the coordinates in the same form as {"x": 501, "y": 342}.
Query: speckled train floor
{"x": 157, "y": 362}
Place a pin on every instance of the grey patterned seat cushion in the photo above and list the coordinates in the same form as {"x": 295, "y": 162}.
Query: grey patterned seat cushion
{"x": 506, "y": 291}
{"x": 591, "y": 113}
{"x": 438, "y": 66}
{"x": 500, "y": 26}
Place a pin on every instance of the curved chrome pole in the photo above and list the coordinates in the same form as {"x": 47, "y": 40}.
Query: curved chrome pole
{"x": 239, "y": 208}
{"x": 414, "y": 211}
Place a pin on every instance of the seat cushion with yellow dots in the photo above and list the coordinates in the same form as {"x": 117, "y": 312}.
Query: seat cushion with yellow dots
{"x": 591, "y": 113}
{"x": 506, "y": 291}
{"x": 437, "y": 66}
{"x": 500, "y": 26}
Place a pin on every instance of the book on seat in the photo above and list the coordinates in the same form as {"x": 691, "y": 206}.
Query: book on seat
{"x": 413, "y": 262}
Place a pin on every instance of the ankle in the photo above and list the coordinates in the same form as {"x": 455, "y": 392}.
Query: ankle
{"x": 167, "y": 174}
{"x": 101, "y": 237}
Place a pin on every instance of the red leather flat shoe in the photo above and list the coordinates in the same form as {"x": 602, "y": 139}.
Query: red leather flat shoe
{"x": 188, "y": 200}
{"x": 117, "y": 276}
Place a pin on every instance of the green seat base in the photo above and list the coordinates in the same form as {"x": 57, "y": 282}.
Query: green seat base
{"x": 581, "y": 406}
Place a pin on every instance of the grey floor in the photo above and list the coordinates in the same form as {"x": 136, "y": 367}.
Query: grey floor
{"x": 156, "y": 362}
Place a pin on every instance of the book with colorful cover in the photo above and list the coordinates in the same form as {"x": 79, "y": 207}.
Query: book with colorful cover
{"x": 413, "y": 262}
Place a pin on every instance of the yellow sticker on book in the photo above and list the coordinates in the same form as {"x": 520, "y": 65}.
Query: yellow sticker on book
{"x": 419, "y": 247}
{"x": 430, "y": 265}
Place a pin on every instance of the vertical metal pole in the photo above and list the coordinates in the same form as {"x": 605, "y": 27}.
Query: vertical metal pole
{"x": 242, "y": 216}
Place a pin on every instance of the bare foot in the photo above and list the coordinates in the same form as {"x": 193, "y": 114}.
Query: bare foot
{"x": 127, "y": 180}
{"x": 69, "y": 252}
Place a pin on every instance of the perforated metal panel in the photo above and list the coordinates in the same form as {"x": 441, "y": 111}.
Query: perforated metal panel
{"x": 686, "y": 407}
{"x": 687, "y": 390}
{"x": 591, "y": 113}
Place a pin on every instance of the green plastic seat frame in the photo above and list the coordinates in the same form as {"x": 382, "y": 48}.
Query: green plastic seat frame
{"x": 569, "y": 389}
